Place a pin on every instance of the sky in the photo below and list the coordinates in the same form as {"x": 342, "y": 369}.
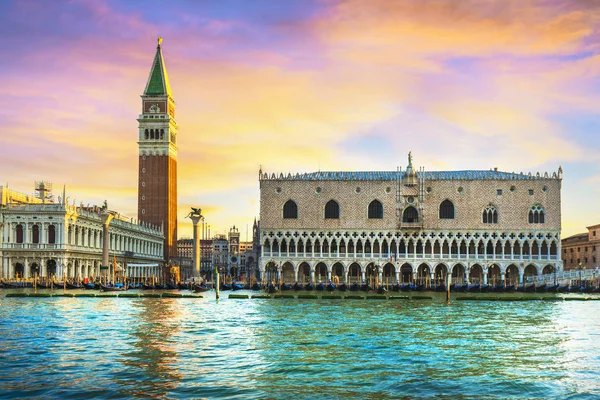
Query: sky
{"x": 300, "y": 86}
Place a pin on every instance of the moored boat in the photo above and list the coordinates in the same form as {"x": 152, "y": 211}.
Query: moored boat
{"x": 113, "y": 288}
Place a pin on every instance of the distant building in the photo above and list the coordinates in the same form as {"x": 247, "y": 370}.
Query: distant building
{"x": 220, "y": 253}
{"x": 185, "y": 257}
{"x": 582, "y": 250}
{"x": 65, "y": 240}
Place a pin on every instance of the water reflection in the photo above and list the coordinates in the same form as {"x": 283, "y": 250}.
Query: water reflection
{"x": 178, "y": 348}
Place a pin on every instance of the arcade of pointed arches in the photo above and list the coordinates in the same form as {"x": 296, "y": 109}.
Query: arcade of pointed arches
{"x": 390, "y": 272}
{"x": 396, "y": 245}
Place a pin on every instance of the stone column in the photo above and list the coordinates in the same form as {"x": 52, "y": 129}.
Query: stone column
{"x": 485, "y": 276}
{"x": 106, "y": 218}
{"x": 196, "y": 217}
{"x": 26, "y": 270}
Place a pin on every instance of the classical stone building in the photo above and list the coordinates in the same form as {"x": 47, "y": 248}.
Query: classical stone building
{"x": 478, "y": 226}
{"x": 582, "y": 251}
{"x": 157, "y": 135}
{"x": 65, "y": 240}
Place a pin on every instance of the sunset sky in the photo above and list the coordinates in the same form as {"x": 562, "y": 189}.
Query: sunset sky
{"x": 300, "y": 86}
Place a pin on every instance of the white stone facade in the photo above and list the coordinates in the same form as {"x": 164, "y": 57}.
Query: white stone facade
{"x": 518, "y": 235}
{"x": 64, "y": 240}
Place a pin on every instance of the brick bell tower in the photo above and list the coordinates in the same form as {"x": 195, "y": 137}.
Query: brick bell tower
{"x": 157, "y": 183}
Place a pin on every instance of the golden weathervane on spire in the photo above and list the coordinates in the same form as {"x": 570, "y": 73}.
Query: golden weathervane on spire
{"x": 159, "y": 41}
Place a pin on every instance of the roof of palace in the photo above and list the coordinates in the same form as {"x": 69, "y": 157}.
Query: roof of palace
{"x": 158, "y": 81}
{"x": 396, "y": 175}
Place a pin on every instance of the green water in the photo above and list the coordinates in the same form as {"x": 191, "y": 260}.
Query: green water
{"x": 292, "y": 348}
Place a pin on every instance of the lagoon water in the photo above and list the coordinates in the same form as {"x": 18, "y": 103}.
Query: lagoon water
{"x": 289, "y": 348}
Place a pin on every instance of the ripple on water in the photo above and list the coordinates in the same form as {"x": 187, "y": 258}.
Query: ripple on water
{"x": 81, "y": 348}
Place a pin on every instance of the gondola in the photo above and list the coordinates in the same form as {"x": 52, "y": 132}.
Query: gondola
{"x": 298, "y": 286}
{"x": 271, "y": 288}
{"x": 330, "y": 287}
{"x": 473, "y": 288}
{"x": 286, "y": 287}
{"x": 148, "y": 287}
{"x": 69, "y": 285}
{"x": 407, "y": 287}
{"x": 365, "y": 287}
{"x": 563, "y": 289}
{"x": 458, "y": 288}
{"x": 111, "y": 288}
{"x": 395, "y": 288}
{"x": 440, "y": 288}
{"x": 256, "y": 286}
{"x": 44, "y": 285}
{"x": 484, "y": 289}
{"x": 552, "y": 288}
{"x": 497, "y": 289}
{"x": 17, "y": 285}
{"x": 225, "y": 286}
{"x": 171, "y": 286}
{"x": 530, "y": 288}
{"x": 509, "y": 288}
{"x": 587, "y": 289}
{"x": 320, "y": 287}
{"x": 419, "y": 288}
{"x": 381, "y": 290}
{"x": 343, "y": 287}
{"x": 354, "y": 287}
{"x": 200, "y": 288}
{"x": 309, "y": 286}
{"x": 183, "y": 286}
{"x": 236, "y": 286}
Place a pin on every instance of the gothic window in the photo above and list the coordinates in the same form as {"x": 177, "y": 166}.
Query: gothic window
{"x": 51, "y": 234}
{"x": 375, "y": 210}
{"x": 19, "y": 233}
{"x": 446, "y": 210}
{"x": 410, "y": 214}
{"x": 290, "y": 210}
{"x": 35, "y": 233}
{"x": 162, "y": 134}
{"x": 537, "y": 214}
{"x": 490, "y": 215}
{"x": 146, "y": 134}
{"x": 332, "y": 210}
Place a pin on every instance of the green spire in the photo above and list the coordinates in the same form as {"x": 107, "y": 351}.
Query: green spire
{"x": 158, "y": 81}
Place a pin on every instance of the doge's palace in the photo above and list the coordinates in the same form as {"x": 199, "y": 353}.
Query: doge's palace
{"x": 479, "y": 226}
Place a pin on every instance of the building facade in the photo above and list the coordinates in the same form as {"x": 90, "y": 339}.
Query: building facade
{"x": 582, "y": 251}
{"x": 478, "y": 226}
{"x": 157, "y": 140}
{"x": 66, "y": 241}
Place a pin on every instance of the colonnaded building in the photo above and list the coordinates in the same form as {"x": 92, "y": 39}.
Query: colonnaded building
{"x": 42, "y": 238}
{"x": 478, "y": 226}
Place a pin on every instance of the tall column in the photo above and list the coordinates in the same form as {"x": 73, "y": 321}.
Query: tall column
{"x": 196, "y": 217}
{"x": 106, "y": 218}
{"x": 26, "y": 269}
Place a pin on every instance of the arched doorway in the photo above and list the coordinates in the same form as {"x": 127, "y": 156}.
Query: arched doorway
{"x": 494, "y": 275}
{"x": 458, "y": 274}
{"x": 389, "y": 274}
{"x": 354, "y": 274}
{"x": 423, "y": 274}
{"x": 512, "y": 275}
{"x": 34, "y": 269}
{"x": 321, "y": 272}
{"x": 337, "y": 273}
{"x": 304, "y": 272}
{"x": 287, "y": 273}
{"x": 406, "y": 273}
{"x": 476, "y": 275}
{"x": 548, "y": 269}
{"x": 439, "y": 275}
{"x": 530, "y": 271}
{"x": 372, "y": 274}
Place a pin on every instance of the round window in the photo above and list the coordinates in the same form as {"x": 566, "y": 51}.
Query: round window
{"x": 388, "y": 190}
{"x": 460, "y": 189}
{"x": 318, "y": 190}
{"x": 410, "y": 199}
{"x": 357, "y": 190}
{"x": 143, "y": 197}
{"x": 144, "y": 157}
{"x": 428, "y": 190}
{"x": 143, "y": 170}
{"x": 513, "y": 188}
{"x": 143, "y": 184}
{"x": 278, "y": 190}
{"x": 545, "y": 189}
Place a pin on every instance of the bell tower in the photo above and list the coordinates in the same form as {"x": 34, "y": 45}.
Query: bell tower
{"x": 157, "y": 140}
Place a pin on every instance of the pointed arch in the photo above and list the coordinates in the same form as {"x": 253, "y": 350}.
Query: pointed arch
{"x": 290, "y": 210}
{"x": 410, "y": 215}
{"x": 446, "y": 210}
{"x": 332, "y": 210}
{"x": 375, "y": 210}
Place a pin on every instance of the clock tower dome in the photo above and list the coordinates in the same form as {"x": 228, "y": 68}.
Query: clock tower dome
{"x": 157, "y": 140}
